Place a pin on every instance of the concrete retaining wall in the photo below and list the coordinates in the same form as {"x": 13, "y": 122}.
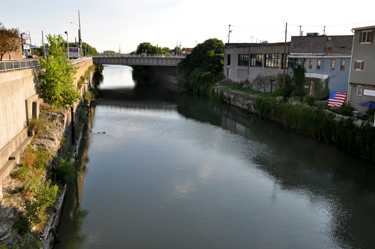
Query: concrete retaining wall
{"x": 19, "y": 102}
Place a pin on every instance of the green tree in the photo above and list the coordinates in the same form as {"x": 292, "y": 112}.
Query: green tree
{"x": 203, "y": 67}
{"x": 298, "y": 75}
{"x": 56, "y": 76}
{"x": 166, "y": 50}
{"x": 109, "y": 52}
{"x": 10, "y": 40}
{"x": 148, "y": 48}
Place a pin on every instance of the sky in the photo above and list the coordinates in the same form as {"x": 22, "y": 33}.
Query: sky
{"x": 124, "y": 24}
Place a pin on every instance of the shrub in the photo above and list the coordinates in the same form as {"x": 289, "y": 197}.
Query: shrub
{"x": 298, "y": 93}
{"x": 37, "y": 211}
{"x": 345, "y": 110}
{"x": 308, "y": 99}
{"x": 64, "y": 171}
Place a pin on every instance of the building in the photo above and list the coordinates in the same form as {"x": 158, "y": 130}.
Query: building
{"x": 324, "y": 57}
{"x": 246, "y": 61}
{"x": 362, "y": 73}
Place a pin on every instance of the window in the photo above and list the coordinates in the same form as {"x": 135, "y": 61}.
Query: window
{"x": 243, "y": 60}
{"x": 310, "y": 63}
{"x": 228, "y": 59}
{"x": 358, "y": 65}
{"x": 359, "y": 90}
{"x": 256, "y": 60}
{"x": 333, "y": 62}
{"x": 272, "y": 60}
{"x": 366, "y": 36}
{"x": 242, "y": 73}
{"x": 318, "y": 62}
{"x": 342, "y": 65}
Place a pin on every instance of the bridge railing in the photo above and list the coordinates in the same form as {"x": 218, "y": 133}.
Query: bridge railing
{"x": 7, "y": 66}
{"x": 76, "y": 61}
{"x": 138, "y": 55}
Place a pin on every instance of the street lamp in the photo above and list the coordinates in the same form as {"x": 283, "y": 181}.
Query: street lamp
{"x": 67, "y": 43}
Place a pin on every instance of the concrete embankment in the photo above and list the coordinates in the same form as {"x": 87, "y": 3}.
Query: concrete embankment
{"x": 19, "y": 102}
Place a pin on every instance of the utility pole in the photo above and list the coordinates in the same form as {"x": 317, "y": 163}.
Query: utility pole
{"x": 229, "y": 33}
{"x": 80, "y": 35}
{"x": 44, "y": 47}
{"x": 284, "y": 59}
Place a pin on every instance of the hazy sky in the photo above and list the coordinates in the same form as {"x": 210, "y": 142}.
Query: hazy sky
{"x": 109, "y": 24}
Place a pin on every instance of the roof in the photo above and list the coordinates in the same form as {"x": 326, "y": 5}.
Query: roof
{"x": 363, "y": 28}
{"x": 254, "y": 44}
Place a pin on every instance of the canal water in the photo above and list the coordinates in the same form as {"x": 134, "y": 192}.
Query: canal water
{"x": 161, "y": 168}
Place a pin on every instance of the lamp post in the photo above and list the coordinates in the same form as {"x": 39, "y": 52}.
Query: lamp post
{"x": 67, "y": 43}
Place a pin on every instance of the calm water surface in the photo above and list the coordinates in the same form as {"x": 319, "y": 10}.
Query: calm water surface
{"x": 173, "y": 170}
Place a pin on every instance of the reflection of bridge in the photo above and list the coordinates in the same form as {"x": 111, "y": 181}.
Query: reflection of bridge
{"x": 137, "y": 60}
{"x": 137, "y": 105}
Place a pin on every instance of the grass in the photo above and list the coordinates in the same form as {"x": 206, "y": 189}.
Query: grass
{"x": 238, "y": 87}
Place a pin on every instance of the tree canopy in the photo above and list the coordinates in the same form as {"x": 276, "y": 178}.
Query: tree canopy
{"x": 148, "y": 48}
{"x": 203, "y": 67}
{"x": 57, "y": 75}
{"x": 10, "y": 40}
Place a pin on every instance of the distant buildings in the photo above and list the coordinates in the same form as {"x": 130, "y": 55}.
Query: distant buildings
{"x": 348, "y": 61}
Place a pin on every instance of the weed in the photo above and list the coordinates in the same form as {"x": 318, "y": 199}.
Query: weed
{"x": 29, "y": 158}
{"x": 64, "y": 171}
{"x": 38, "y": 210}
{"x": 39, "y": 125}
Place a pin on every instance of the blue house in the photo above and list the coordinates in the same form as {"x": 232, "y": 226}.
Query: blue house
{"x": 324, "y": 57}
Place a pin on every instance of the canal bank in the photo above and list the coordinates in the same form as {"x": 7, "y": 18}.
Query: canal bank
{"x": 353, "y": 135}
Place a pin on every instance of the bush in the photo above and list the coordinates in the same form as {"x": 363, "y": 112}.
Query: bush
{"x": 298, "y": 93}
{"x": 64, "y": 171}
{"x": 310, "y": 100}
{"x": 345, "y": 110}
{"x": 37, "y": 211}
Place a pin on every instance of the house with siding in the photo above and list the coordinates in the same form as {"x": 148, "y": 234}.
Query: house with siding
{"x": 324, "y": 57}
{"x": 246, "y": 61}
{"x": 362, "y": 70}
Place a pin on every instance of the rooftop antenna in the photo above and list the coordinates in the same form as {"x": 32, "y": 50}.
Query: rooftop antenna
{"x": 230, "y": 31}
{"x": 300, "y": 30}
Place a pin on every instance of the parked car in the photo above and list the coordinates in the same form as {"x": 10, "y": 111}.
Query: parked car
{"x": 32, "y": 56}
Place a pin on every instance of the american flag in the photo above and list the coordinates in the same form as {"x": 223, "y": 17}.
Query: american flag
{"x": 336, "y": 99}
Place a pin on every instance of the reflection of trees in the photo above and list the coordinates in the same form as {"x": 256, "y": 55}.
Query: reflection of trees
{"x": 199, "y": 108}
{"x": 323, "y": 173}
{"x": 72, "y": 215}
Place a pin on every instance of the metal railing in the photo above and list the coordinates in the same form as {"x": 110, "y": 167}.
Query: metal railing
{"x": 7, "y": 66}
{"x": 76, "y": 61}
{"x": 138, "y": 55}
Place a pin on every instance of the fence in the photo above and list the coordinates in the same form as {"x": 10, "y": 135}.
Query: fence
{"x": 6, "y": 66}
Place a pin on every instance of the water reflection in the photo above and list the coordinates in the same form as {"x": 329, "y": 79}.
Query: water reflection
{"x": 193, "y": 173}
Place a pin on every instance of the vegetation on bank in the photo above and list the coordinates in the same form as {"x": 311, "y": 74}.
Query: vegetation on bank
{"x": 202, "y": 68}
{"x": 42, "y": 177}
